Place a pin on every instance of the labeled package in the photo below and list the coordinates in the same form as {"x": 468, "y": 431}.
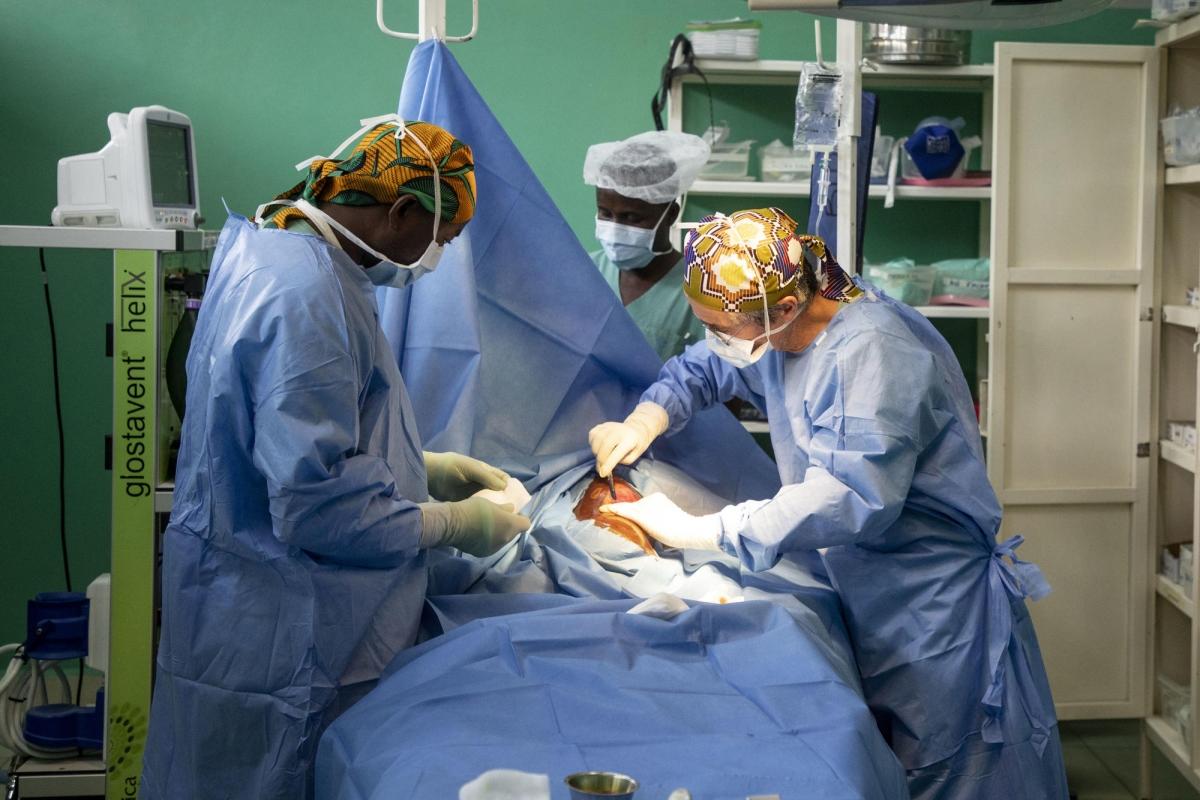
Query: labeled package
{"x": 733, "y": 39}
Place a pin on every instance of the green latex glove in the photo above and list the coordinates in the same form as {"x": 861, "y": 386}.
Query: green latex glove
{"x": 453, "y": 476}
{"x": 475, "y": 526}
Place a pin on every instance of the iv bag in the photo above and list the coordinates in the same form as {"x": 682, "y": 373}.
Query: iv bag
{"x": 818, "y": 107}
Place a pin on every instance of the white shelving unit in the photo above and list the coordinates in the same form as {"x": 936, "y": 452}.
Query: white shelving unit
{"x": 801, "y": 189}
{"x": 767, "y": 72}
{"x": 1173, "y": 649}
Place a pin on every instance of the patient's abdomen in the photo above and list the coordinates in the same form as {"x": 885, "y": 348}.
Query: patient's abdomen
{"x": 597, "y": 494}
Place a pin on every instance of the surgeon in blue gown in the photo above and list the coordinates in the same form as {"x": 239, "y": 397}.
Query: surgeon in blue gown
{"x": 293, "y": 566}
{"x": 882, "y": 469}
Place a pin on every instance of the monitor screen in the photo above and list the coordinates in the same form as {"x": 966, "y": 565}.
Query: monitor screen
{"x": 170, "y": 164}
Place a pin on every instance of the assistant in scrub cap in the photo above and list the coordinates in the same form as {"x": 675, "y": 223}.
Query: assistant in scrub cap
{"x": 656, "y": 166}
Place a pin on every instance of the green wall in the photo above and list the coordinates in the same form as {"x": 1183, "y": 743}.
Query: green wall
{"x": 267, "y": 85}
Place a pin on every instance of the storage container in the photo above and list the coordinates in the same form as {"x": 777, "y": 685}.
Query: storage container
{"x": 903, "y": 280}
{"x": 904, "y": 44}
{"x": 781, "y": 163}
{"x": 728, "y": 162}
{"x": 734, "y": 39}
{"x": 962, "y": 281}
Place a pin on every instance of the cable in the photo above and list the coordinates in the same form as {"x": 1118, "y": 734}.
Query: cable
{"x": 79, "y": 685}
{"x": 62, "y": 456}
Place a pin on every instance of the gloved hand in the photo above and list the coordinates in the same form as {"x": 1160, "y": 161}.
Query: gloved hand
{"x": 453, "y": 476}
{"x": 670, "y": 524}
{"x": 475, "y": 526}
{"x": 624, "y": 442}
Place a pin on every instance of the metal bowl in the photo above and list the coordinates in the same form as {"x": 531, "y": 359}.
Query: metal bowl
{"x": 904, "y": 44}
{"x": 611, "y": 785}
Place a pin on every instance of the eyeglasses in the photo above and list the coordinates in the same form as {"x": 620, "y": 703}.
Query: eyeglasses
{"x": 722, "y": 336}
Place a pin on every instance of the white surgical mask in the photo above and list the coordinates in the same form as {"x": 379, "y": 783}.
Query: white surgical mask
{"x": 738, "y": 352}
{"x": 628, "y": 246}
{"x": 387, "y": 272}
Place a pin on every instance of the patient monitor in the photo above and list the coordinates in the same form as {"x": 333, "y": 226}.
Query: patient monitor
{"x": 145, "y": 177}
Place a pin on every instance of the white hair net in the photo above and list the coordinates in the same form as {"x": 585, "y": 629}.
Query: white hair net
{"x": 657, "y": 166}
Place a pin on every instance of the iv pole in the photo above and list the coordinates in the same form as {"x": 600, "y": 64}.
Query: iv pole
{"x": 431, "y": 20}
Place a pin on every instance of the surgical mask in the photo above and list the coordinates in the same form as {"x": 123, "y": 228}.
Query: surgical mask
{"x": 738, "y": 352}
{"x": 387, "y": 272}
{"x": 628, "y": 246}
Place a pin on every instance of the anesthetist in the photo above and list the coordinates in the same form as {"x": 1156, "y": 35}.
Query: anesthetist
{"x": 882, "y": 468}
{"x": 293, "y": 566}
{"x": 639, "y": 182}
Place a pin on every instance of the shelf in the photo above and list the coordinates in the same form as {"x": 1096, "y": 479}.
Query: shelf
{"x": 936, "y": 192}
{"x": 1168, "y": 739}
{"x": 751, "y": 188}
{"x": 1173, "y": 593}
{"x": 970, "y": 76}
{"x": 755, "y": 426}
{"x": 106, "y": 238}
{"x": 1179, "y": 456}
{"x": 1185, "y": 316}
{"x": 1187, "y": 31}
{"x": 1183, "y": 176}
{"x": 954, "y": 312}
{"x": 801, "y": 189}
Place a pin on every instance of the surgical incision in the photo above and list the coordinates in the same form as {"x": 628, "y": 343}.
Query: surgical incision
{"x": 597, "y": 494}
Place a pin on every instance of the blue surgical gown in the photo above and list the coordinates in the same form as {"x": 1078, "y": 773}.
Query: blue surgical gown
{"x": 291, "y": 572}
{"x": 880, "y": 458}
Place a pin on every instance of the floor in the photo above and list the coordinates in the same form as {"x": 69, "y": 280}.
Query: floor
{"x": 1102, "y": 763}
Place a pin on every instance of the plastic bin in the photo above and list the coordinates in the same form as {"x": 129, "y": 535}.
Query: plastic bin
{"x": 782, "y": 164}
{"x": 1181, "y": 139}
{"x": 962, "y": 282}
{"x": 728, "y": 162}
{"x": 734, "y": 39}
{"x": 904, "y": 280}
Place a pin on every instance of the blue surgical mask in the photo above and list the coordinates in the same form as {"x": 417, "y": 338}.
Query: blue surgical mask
{"x": 628, "y": 246}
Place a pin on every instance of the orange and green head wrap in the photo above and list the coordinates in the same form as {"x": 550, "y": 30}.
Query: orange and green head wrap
{"x": 381, "y": 167}
{"x": 730, "y": 261}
